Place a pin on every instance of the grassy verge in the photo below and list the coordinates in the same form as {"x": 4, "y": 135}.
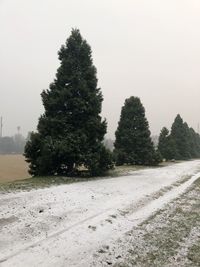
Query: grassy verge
{"x": 169, "y": 238}
{"x": 42, "y": 182}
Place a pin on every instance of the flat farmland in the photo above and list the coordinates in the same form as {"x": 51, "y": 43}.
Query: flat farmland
{"x": 13, "y": 167}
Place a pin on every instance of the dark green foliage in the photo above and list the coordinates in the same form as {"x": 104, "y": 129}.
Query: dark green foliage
{"x": 41, "y": 155}
{"x": 172, "y": 149}
{"x": 133, "y": 143}
{"x": 157, "y": 158}
{"x": 166, "y": 145}
{"x": 99, "y": 161}
{"x": 163, "y": 142}
{"x": 196, "y": 137}
{"x": 194, "y": 143}
{"x": 182, "y": 143}
{"x": 179, "y": 133}
{"x": 71, "y": 131}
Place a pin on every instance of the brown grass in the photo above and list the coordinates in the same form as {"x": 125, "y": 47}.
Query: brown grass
{"x": 13, "y": 167}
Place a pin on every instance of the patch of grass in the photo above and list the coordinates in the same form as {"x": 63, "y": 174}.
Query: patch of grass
{"x": 194, "y": 254}
{"x": 38, "y": 182}
{"x": 42, "y": 182}
{"x": 125, "y": 170}
{"x": 170, "y": 237}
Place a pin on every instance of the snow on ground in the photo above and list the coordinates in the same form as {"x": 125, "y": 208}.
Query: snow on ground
{"x": 66, "y": 225}
{"x": 169, "y": 238}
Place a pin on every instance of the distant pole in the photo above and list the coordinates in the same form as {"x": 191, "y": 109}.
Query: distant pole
{"x": 1, "y": 127}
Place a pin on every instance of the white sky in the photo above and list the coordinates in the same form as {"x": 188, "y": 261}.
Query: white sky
{"x": 145, "y": 48}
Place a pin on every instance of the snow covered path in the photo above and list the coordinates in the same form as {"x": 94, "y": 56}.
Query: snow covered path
{"x": 66, "y": 225}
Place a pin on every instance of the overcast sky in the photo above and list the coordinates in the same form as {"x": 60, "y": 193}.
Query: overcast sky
{"x": 144, "y": 48}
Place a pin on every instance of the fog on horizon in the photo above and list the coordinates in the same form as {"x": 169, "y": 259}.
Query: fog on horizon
{"x": 149, "y": 49}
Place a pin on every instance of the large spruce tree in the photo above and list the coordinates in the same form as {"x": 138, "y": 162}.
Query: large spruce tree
{"x": 71, "y": 130}
{"x": 133, "y": 144}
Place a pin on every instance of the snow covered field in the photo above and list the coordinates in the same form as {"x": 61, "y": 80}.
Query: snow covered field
{"x": 68, "y": 225}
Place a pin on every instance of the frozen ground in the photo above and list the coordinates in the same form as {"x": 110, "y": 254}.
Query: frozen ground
{"x": 70, "y": 225}
{"x": 168, "y": 238}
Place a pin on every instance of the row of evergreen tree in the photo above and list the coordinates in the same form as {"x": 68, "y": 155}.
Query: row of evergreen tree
{"x": 71, "y": 131}
{"x": 181, "y": 143}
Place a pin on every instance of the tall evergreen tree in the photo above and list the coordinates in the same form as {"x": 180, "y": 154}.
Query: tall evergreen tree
{"x": 179, "y": 133}
{"x": 133, "y": 143}
{"x": 196, "y": 140}
{"x": 71, "y": 130}
{"x": 166, "y": 145}
{"x": 163, "y": 143}
{"x": 192, "y": 149}
{"x": 193, "y": 143}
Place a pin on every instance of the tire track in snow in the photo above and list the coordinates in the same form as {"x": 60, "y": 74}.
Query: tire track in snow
{"x": 134, "y": 217}
{"x": 51, "y": 236}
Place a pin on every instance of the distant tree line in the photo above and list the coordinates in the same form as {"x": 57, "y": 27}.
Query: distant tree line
{"x": 70, "y": 133}
{"x": 181, "y": 143}
{"x": 12, "y": 144}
